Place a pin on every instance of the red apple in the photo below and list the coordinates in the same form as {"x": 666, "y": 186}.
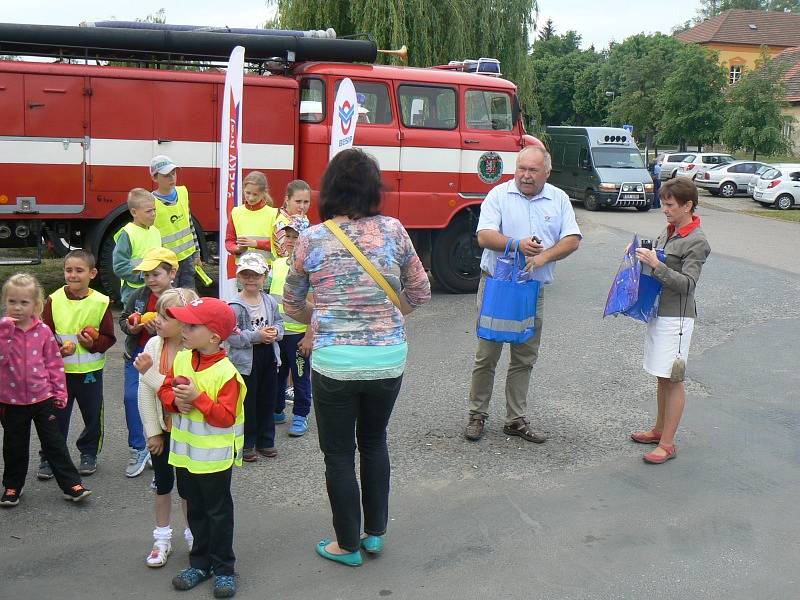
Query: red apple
{"x": 134, "y": 318}
{"x": 91, "y": 332}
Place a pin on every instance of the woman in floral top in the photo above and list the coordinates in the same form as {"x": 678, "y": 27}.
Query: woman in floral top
{"x": 359, "y": 343}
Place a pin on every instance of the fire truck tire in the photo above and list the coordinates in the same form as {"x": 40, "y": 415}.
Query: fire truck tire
{"x": 455, "y": 258}
{"x": 109, "y": 283}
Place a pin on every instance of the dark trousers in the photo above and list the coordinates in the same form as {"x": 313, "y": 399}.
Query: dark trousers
{"x": 259, "y": 402}
{"x": 184, "y": 278}
{"x": 87, "y": 390}
{"x": 163, "y": 472}
{"x": 210, "y": 517}
{"x": 300, "y": 368}
{"x": 348, "y": 412}
{"x": 16, "y": 421}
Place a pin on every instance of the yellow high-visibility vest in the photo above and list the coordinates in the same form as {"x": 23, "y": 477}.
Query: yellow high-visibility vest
{"x": 175, "y": 224}
{"x": 280, "y": 269}
{"x": 194, "y": 444}
{"x": 142, "y": 240}
{"x": 256, "y": 224}
{"x": 69, "y": 318}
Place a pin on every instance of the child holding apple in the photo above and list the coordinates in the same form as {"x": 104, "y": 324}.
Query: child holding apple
{"x": 84, "y": 326}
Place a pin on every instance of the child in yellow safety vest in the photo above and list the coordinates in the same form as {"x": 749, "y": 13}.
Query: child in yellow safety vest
{"x": 297, "y": 341}
{"x": 153, "y": 364}
{"x": 84, "y": 326}
{"x": 250, "y": 224}
{"x": 133, "y": 241}
{"x": 174, "y": 219}
{"x": 204, "y": 394}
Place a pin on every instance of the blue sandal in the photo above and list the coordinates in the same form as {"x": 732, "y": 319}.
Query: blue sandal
{"x": 372, "y": 544}
{"x": 351, "y": 559}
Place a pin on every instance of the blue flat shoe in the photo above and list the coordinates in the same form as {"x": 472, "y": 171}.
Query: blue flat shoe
{"x": 351, "y": 559}
{"x": 372, "y": 544}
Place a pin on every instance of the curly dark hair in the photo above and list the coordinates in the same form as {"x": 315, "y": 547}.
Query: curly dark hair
{"x": 351, "y": 186}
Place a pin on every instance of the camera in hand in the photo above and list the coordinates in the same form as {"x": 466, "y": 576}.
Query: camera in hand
{"x": 646, "y": 244}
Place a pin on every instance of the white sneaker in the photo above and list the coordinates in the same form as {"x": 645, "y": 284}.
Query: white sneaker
{"x": 187, "y": 535}
{"x": 159, "y": 554}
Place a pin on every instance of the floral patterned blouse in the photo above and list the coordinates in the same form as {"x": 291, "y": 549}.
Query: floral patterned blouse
{"x": 349, "y": 307}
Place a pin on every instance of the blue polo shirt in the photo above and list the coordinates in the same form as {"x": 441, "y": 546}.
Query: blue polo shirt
{"x": 548, "y": 215}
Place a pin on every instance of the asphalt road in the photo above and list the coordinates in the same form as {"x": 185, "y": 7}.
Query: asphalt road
{"x": 580, "y": 517}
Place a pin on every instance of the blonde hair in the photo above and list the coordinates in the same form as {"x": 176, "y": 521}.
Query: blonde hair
{"x": 298, "y": 185}
{"x": 174, "y": 297}
{"x": 258, "y": 179}
{"x": 137, "y": 196}
{"x": 24, "y": 280}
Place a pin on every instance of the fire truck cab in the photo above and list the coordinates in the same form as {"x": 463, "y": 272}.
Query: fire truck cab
{"x": 75, "y": 138}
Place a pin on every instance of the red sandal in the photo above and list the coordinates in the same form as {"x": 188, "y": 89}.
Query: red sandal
{"x": 657, "y": 459}
{"x": 646, "y": 437}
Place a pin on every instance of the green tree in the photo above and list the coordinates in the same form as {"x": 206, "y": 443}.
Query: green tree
{"x": 753, "y": 120}
{"x": 633, "y": 76}
{"x": 691, "y": 99}
{"x": 589, "y": 102}
{"x": 547, "y": 31}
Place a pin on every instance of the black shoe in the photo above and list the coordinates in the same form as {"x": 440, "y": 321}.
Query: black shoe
{"x": 474, "y": 430}
{"x": 10, "y": 497}
{"x": 88, "y": 464}
{"x": 45, "y": 472}
{"x": 77, "y": 493}
{"x": 521, "y": 428}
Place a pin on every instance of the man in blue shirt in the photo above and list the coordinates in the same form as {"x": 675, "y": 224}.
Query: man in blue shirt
{"x": 540, "y": 216}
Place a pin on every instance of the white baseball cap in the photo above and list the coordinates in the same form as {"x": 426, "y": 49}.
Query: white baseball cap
{"x": 252, "y": 261}
{"x": 162, "y": 164}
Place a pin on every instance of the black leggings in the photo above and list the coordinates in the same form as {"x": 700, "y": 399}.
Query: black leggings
{"x": 348, "y": 412}
{"x": 163, "y": 472}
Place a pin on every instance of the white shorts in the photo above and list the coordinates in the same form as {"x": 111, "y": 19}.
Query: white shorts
{"x": 661, "y": 344}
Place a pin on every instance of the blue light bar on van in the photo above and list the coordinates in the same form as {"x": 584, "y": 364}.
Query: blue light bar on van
{"x": 615, "y": 139}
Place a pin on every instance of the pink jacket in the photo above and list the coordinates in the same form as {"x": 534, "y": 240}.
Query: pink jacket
{"x": 31, "y": 367}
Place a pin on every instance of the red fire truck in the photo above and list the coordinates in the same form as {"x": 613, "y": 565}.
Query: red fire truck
{"x": 74, "y": 138}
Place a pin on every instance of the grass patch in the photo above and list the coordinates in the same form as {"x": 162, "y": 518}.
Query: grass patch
{"x": 780, "y": 215}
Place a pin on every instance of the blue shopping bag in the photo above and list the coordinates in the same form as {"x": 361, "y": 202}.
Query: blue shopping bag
{"x": 633, "y": 293}
{"x": 508, "y": 308}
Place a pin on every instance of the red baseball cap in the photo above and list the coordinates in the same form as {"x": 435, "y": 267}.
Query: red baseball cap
{"x": 211, "y": 312}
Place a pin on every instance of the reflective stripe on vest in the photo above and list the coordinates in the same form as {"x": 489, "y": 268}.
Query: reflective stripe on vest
{"x": 174, "y": 223}
{"x": 256, "y": 224}
{"x": 69, "y": 318}
{"x": 194, "y": 444}
{"x": 141, "y": 240}
{"x": 280, "y": 269}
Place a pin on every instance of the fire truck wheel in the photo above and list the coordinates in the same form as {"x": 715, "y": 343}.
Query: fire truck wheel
{"x": 108, "y": 281}
{"x": 456, "y": 257}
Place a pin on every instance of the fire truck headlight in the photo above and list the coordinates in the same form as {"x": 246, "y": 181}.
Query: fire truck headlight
{"x": 22, "y": 231}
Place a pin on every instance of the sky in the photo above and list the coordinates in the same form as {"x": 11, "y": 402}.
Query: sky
{"x": 597, "y": 21}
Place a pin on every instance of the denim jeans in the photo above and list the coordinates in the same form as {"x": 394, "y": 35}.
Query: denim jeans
{"x": 350, "y": 413}
{"x": 300, "y": 368}
{"x": 131, "y": 399}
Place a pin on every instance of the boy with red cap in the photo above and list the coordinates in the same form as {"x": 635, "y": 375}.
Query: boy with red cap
{"x": 205, "y": 393}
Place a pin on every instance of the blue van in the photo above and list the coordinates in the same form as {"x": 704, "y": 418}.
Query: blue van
{"x": 601, "y": 166}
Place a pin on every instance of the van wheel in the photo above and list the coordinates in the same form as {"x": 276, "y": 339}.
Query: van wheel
{"x": 728, "y": 189}
{"x": 784, "y": 202}
{"x": 644, "y": 208}
{"x": 456, "y": 258}
{"x": 590, "y": 201}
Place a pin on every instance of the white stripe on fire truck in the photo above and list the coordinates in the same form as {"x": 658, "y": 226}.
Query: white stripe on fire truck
{"x": 137, "y": 153}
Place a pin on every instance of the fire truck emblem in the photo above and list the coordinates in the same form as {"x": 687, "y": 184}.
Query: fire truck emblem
{"x": 490, "y": 167}
{"x": 346, "y": 113}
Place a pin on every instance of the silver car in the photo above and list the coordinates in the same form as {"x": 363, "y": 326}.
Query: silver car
{"x": 751, "y": 185}
{"x": 670, "y": 161}
{"x": 729, "y": 179}
{"x": 696, "y": 164}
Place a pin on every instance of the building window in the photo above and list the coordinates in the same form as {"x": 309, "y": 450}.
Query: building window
{"x": 734, "y": 74}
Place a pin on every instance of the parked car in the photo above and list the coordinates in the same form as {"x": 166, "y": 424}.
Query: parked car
{"x": 779, "y": 187}
{"x": 751, "y": 185}
{"x": 700, "y": 162}
{"x": 729, "y": 179}
{"x": 670, "y": 161}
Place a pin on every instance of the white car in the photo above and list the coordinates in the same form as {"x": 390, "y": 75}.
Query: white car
{"x": 700, "y": 162}
{"x": 751, "y": 185}
{"x": 779, "y": 187}
{"x": 729, "y": 179}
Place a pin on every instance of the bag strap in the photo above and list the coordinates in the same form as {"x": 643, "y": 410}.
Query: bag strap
{"x": 363, "y": 261}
